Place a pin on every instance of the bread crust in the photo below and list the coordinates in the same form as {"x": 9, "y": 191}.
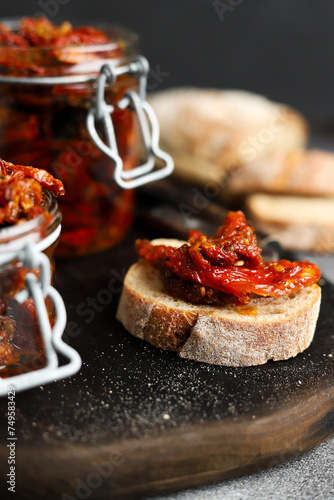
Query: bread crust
{"x": 267, "y": 328}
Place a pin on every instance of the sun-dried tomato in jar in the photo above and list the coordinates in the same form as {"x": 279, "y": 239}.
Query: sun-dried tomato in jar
{"x": 45, "y": 124}
{"x": 28, "y": 214}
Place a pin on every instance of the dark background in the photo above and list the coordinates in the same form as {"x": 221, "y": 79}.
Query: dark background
{"x": 282, "y": 49}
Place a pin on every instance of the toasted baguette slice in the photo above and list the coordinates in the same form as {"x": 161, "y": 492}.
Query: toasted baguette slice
{"x": 208, "y": 131}
{"x": 299, "y": 172}
{"x": 267, "y": 328}
{"x": 298, "y": 223}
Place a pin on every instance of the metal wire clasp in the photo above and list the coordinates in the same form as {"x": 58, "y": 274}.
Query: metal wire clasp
{"x": 101, "y": 112}
{"x": 52, "y": 338}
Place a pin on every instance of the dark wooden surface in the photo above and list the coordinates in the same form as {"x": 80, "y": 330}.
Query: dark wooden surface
{"x": 137, "y": 421}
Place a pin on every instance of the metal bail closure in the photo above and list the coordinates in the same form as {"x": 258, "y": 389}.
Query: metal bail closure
{"x": 101, "y": 113}
{"x": 52, "y": 338}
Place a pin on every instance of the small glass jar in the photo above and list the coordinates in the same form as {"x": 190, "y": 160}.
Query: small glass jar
{"x": 21, "y": 344}
{"x": 44, "y": 125}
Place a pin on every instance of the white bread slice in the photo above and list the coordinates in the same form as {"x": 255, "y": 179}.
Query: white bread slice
{"x": 297, "y": 222}
{"x": 208, "y": 131}
{"x": 299, "y": 172}
{"x": 266, "y": 328}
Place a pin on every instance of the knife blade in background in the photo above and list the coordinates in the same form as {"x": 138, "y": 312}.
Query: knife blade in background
{"x": 173, "y": 208}
{"x": 189, "y": 201}
{"x": 167, "y": 221}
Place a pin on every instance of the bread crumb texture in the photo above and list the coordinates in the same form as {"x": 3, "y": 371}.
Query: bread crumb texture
{"x": 280, "y": 329}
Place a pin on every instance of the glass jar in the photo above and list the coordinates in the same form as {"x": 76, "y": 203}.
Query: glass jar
{"x": 21, "y": 342}
{"x": 45, "y": 95}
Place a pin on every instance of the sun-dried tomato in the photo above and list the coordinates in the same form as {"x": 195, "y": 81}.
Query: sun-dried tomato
{"x": 41, "y": 32}
{"x": 7, "y": 37}
{"x": 20, "y": 68}
{"x": 69, "y": 46}
{"x": 6, "y": 349}
{"x": 10, "y": 172}
{"x": 21, "y": 191}
{"x": 85, "y": 35}
{"x": 229, "y": 263}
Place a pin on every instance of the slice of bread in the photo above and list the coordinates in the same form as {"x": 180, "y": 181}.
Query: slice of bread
{"x": 297, "y": 222}
{"x": 208, "y": 131}
{"x": 266, "y": 328}
{"x": 300, "y": 172}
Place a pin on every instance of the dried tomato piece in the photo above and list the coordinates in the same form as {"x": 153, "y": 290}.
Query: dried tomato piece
{"x": 230, "y": 263}
{"x": 6, "y": 350}
{"x": 7, "y": 37}
{"x": 45, "y": 179}
{"x": 85, "y": 35}
{"x": 42, "y": 176}
{"x": 4, "y": 169}
{"x": 237, "y": 236}
{"x": 22, "y": 197}
{"x": 70, "y": 46}
{"x": 21, "y": 191}
{"x": 41, "y": 32}
{"x": 17, "y": 129}
{"x": 20, "y": 68}
{"x": 273, "y": 279}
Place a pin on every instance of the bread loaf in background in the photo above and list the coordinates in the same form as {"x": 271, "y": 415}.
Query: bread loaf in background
{"x": 209, "y": 131}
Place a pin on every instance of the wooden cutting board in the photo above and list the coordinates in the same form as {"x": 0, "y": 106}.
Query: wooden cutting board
{"x": 137, "y": 421}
